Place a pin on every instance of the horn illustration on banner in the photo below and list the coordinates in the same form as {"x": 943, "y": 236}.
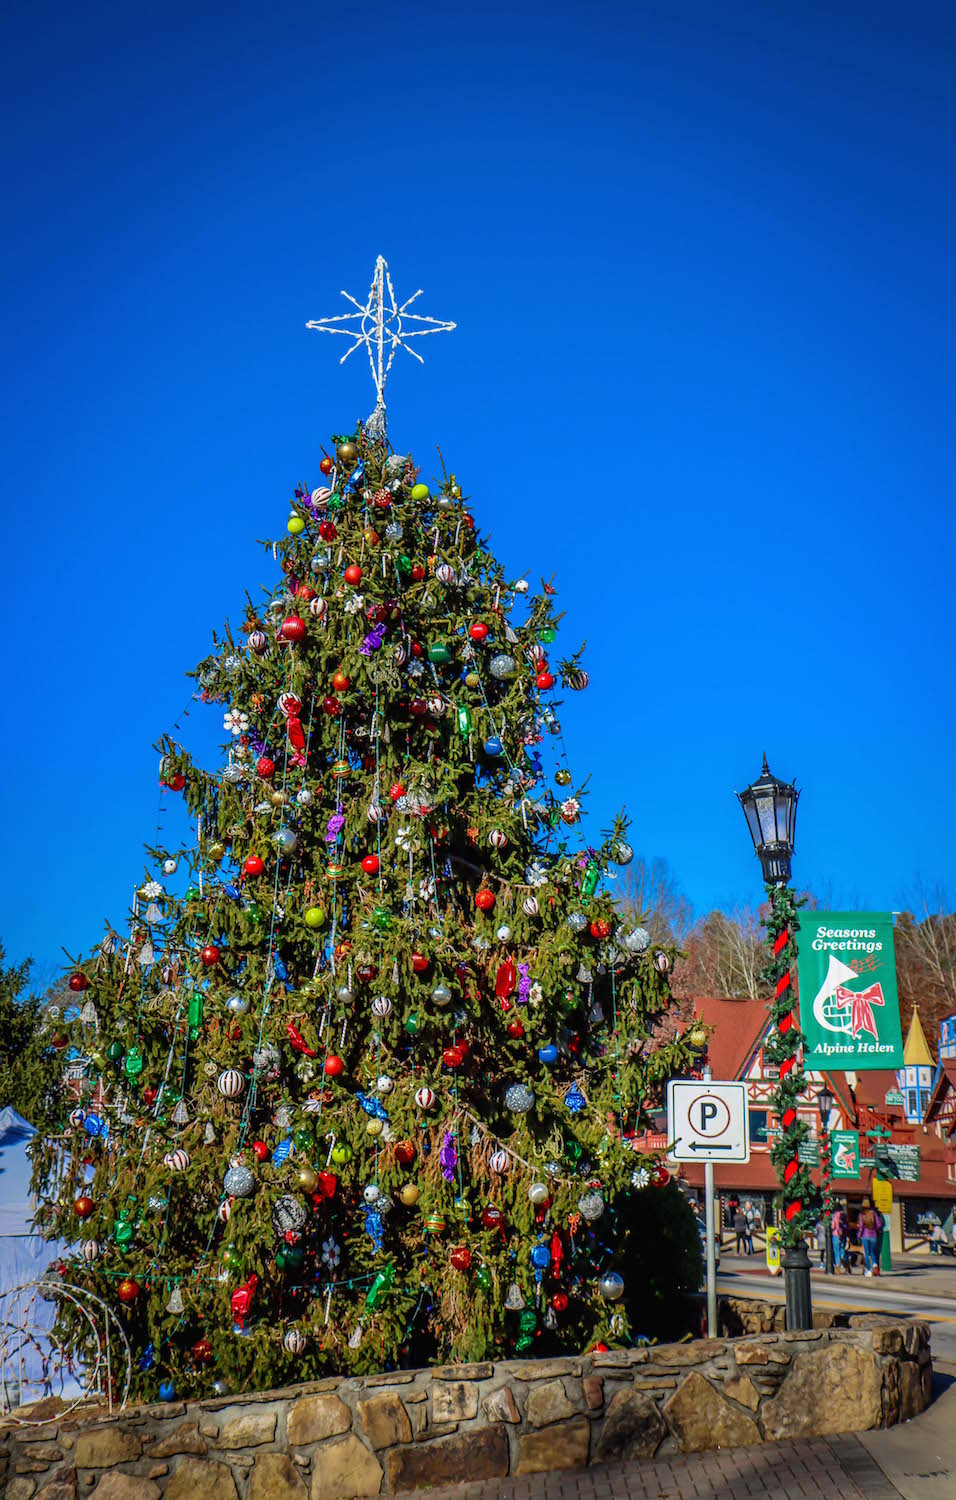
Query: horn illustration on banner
{"x": 838, "y": 974}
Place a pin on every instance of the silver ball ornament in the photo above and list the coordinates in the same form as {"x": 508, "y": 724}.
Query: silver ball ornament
{"x": 538, "y": 1193}
{"x": 611, "y": 1286}
{"x": 238, "y": 1182}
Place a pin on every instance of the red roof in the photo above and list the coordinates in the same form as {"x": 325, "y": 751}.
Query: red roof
{"x": 738, "y": 1027}
{"x": 945, "y": 1080}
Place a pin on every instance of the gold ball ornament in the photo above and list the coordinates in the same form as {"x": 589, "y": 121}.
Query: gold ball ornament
{"x": 295, "y": 525}
{"x": 308, "y": 1178}
{"x": 346, "y": 453}
{"x": 277, "y": 798}
{"x": 563, "y": 777}
{"x": 217, "y": 850}
{"x": 409, "y": 1195}
{"x": 373, "y": 1127}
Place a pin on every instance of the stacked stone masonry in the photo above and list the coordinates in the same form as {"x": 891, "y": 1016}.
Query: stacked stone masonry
{"x": 401, "y": 1433}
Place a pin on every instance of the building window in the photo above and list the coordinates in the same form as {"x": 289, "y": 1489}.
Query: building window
{"x": 758, "y": 1127}
{"x": 912, "y": 1104}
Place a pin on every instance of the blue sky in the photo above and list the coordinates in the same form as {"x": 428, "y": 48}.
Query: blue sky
{"x": 701, "y": 262}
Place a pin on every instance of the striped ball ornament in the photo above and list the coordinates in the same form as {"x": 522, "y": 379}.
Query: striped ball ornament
{"x": 294, "y": 1341}
{"x": 91, "y": 1251}
{"x": 500, "y": 1162}
{"x": 381, "y": 1006}
{"x": 231, "y": 1083}
{"x": 178, "y": 1160}
{"x": 425, "y": 1098}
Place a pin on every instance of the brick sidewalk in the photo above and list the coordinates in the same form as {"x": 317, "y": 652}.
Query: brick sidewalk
{"x": 837, "y": 1468}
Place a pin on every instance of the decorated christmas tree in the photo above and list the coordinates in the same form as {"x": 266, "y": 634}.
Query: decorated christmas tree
{"x": 359, "y": 1088}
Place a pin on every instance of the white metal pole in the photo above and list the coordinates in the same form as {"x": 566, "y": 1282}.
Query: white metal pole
{"x": 710, "y": 1228}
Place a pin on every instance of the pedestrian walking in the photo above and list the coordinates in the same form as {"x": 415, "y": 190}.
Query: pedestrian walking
{"x": 868, "y": 1231}
{"x": 751, "y": 1218}
{"x": 820, "y": 1237}
{"x": 880, "y": 1229}
{"x": 839, "y": 1229}
{"x": 740, "y": 1230}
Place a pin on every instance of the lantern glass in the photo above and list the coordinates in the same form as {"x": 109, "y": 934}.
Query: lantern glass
{"x": 770, "y": 807}
{"x": 825, "y": 1103}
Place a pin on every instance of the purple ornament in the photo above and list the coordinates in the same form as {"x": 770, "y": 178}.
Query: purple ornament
{"x": 448, "y": 1156}
{"x": 334, "y": 827}
{"x": 374, "y": 641}
{"x": 524, "y": 985}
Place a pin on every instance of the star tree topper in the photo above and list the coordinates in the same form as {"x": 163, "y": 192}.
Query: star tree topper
{"x": 383, "y": 327}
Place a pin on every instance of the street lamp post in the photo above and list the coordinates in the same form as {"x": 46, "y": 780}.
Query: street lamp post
{"x": 770, "y": 807}
{"x": 825, "y": 1106}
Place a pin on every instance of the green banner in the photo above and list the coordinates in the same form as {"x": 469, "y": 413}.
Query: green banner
{"x": 844, "y": 1153}
{"x": 849, "y": 1010}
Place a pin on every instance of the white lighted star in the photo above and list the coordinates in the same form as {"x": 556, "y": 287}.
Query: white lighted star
{"x": 382, "y": 326}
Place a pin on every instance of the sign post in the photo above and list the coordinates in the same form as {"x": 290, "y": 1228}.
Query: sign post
{"x": 708, "y": 1122}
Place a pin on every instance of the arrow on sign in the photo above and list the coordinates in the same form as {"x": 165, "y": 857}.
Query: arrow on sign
{"x": 710, "y": 1146}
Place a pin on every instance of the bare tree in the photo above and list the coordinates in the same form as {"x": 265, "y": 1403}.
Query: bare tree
{"x": 723, "y": 955}
{"x": 925, "y": 941}
{"x": 649, "y": 894}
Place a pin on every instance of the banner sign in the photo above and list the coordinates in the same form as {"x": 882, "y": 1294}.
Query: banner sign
{"x": 844, "y": 1153}
{"x": 894, "y": 1098}
{"x": 849, "y": 1010}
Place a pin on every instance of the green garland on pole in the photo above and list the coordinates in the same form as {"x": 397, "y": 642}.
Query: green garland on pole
{"x": 797, "y": 1197}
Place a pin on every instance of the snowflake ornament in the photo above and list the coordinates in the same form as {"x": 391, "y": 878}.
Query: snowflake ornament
{"x": 235, "y": 721}
{"x": 331, "y": 1253}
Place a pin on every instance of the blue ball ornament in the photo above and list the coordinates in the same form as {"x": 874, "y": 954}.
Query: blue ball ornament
{"x": 493, "y": 745}
{"x": 540, "y": 1257}
{"x": 167, "y": 1391}
{"x": 548, "y": 1054}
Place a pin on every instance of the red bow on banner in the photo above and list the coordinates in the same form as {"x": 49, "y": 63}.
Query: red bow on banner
{"x": 861, "y": 1013}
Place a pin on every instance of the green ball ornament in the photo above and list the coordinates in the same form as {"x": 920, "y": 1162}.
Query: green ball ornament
{"x": 303, "y": 1139}
{"x": 232, "y": 1259}
{"x": 412, "y": 1024}
{"x": 483, "y": 1279}
{"x": 439, "y": 654}
{"x": 419, "y": 491}
{"x": 341, "y": 1153}
{"x": 314, "y": 916}
{"x": 295, "y": 526}
{"x": 403, "y": 564}
{"x": 547, "y": 636}
{"x": 116, "y": 1052}
{"x": 381, "y": 918}
{"x": 193, "y": 893}
{"x": 290, "y": 1257}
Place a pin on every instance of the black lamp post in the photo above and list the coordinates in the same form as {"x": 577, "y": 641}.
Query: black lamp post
{"x": 825, "y": 1106}
{"x": 770, "y": 806}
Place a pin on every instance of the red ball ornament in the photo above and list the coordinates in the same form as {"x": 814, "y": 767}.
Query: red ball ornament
{"x": 492, "y": 1218}
{"x": 83, "y": 1207}
{"x": 327, "y": 531}
{"x": 341, "y": 681}
{"x": 128, "y": 1289}
{"x": 416, "y": 649}
{"x": 515, "y": 1029}
{"x": 175, "y": 783}
{"x": 453, "y": 1057}
{"x": 150, "y": 1096}
{"x": 202, "y": 1351}
{"x": 485, "y": 900}
{"x": 334, "y": 1066}
{"x": 560, "y": 1301}
{"x": 353, "y": 574}
{"x": 261, "y": 1149}
{"x": 331, "y": 706}
{"x": 418, "y": 572}
{"x": 366, "y": 973}
{"x": 370, "y": 864}
{"x": 419, "y": 962}
{"x": 599, "y": 1348}
{"x": 265, "y": 767}
{"x": 600, "y": 928}
{"x": 326, "y": 466}
{"x": 78, "y": 982}
{"x": 293, "y": 629}
{"x": 253, "y": 865}
{"x": 544, "y": 681}
{"x": 418, "y": 707}
{"x": 395, "y": 791}
{"x": 478, "y": 631}
{"x": 404, "y": 1153}
{"x": 660, "y": 1177}
{"x": 460, "y": 1258}
{"x": 469, "y": 521}
{"x": 210, "y": 955}
{"x": 328, "y": 1182}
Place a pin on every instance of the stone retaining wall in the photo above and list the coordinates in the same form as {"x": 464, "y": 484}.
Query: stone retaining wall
{"x": 400, "y": 1433}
